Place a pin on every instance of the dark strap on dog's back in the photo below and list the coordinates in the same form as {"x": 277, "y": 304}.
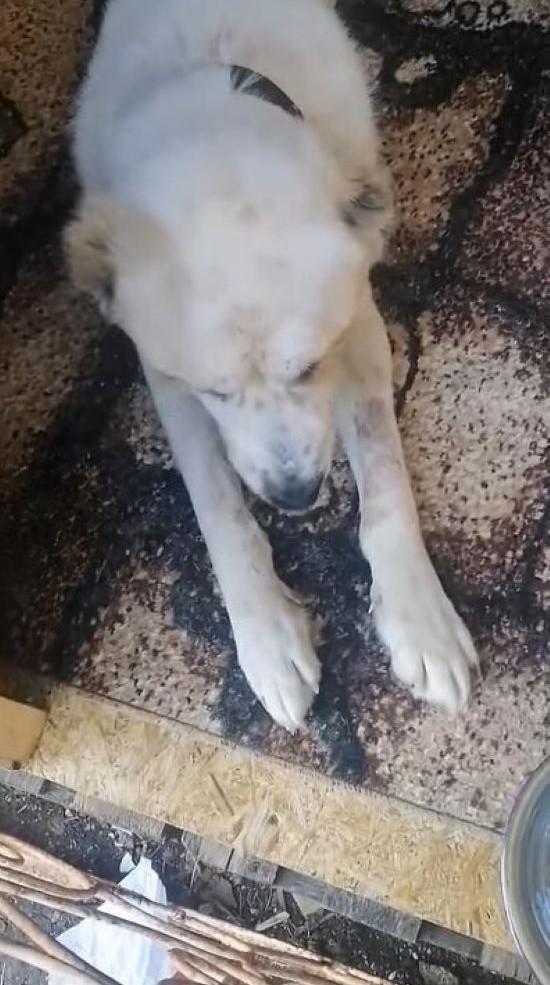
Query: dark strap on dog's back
{"x": 246, "y": 81}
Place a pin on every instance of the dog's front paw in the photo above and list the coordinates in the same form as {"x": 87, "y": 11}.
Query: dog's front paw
{"x": 431, "y": 650}
{"x": 277, "y": 657}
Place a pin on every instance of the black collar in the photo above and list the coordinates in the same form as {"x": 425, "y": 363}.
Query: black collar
{"x": 246, "y": 81}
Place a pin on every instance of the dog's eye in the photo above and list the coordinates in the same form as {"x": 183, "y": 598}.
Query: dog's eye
{"x": 217, "y": 394}
{"x": 307, "y": 373}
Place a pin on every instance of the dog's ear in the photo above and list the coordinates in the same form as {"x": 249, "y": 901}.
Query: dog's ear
{"x": 105, "y": 240}
{"x": 88, "y": 242}
{"x": 129, "y": 263}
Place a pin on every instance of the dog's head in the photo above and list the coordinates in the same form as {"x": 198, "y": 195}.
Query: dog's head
{"x": 236, "y": 272}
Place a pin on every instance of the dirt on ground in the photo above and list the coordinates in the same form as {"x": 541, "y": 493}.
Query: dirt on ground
{"x": 99, "y": 848}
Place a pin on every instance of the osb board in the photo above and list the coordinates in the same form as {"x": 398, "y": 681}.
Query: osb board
{"x": 421, "y": 863}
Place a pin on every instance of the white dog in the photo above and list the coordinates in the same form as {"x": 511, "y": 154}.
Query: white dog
{"x": 233, "y": 204}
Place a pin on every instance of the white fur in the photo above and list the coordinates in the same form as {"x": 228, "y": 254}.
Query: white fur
{"x": 212, "y": 228}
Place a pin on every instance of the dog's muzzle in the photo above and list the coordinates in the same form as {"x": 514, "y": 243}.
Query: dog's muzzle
{"x": 295, "y": 495}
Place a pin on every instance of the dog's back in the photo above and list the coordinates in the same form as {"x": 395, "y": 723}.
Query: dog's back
{"x": 300, "y": 45}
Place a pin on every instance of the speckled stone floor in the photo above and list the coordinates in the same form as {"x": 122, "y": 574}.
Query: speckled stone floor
{"x": 104, "y": 578}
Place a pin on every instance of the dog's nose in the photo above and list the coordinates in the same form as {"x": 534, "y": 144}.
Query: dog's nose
{"x": 295, "y": 494}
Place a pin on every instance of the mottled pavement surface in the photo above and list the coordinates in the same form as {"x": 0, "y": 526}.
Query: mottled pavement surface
{"x": 104, "y": 578}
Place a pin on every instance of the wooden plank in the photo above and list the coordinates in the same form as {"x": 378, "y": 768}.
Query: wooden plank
{"x": 20, "y": 729}
{"x": 214, "y": 855}
{"x": 253, "y": 868}
{"x": 421, "y": 864}
{"x": 21, "y": 781}
{"x": 351, "y": 905}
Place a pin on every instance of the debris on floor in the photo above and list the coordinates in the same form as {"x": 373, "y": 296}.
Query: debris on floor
{"x": 121, "y": 954}
{"x": 100, "y": 847}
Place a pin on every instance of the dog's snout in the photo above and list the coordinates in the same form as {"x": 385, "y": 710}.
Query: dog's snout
{"x": 295, "y": 494}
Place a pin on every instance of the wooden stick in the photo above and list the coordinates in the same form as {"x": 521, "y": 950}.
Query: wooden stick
{"x": 228, "y": 966}
{"x": 46, "y": 944}
{"x": 167, "y": 936}
{"x": 205, "y": 951}
{"x": 197, "y": 946}
{"x": 44, "y": 962}
{"x": 191, "y": 974}
{"x": 221, "y": 932}
{"x": 45, "y": 886}
{"x": 18, "y": 856}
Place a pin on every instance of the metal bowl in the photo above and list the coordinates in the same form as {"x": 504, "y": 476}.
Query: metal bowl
{"x": 525, "y": 872}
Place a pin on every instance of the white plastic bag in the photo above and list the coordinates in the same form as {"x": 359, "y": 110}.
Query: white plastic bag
{"x": 122, "y": 954}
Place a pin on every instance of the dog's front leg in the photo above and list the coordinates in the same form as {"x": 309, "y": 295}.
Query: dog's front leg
{"x": 430, "y": 648}
{"x": 271, "y": 630}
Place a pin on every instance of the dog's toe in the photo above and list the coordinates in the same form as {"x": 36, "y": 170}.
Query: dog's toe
{"x": 431, "y": 650}
{"x": 288, "y": 698}
{"x": 439, "y": 677}
{"x": 280, "y": 663}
